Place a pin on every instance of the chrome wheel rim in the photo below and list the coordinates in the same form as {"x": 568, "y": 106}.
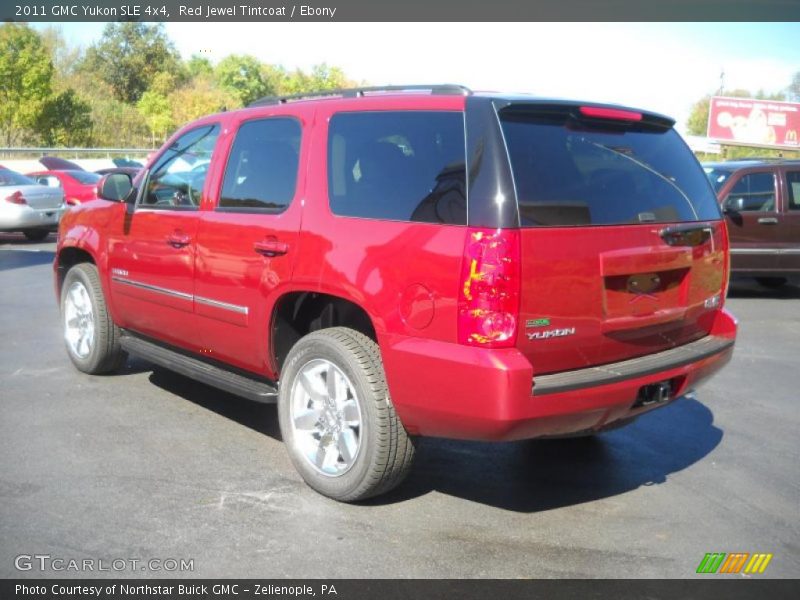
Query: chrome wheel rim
{"x": 325, "y": 418}
{"x": 78, "y": 320}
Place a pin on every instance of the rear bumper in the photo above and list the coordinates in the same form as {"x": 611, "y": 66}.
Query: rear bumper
{"x": 15, "y": 217}
{"x": 449, "y": 390}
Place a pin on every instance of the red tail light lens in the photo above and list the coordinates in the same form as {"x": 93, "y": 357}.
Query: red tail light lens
{"x": 488, "y": 302}
{"x": 16, "y": 198}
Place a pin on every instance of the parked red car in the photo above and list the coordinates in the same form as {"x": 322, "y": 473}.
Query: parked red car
{"x": 392, "y": 263}
{"x": 78, "y": 186}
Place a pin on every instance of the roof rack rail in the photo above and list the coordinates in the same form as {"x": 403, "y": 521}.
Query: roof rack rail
{"x": 438, "y": 89}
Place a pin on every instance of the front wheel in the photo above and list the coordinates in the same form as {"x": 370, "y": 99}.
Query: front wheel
{"x": 337, "y": 419}
{"x": 91, "y": 337}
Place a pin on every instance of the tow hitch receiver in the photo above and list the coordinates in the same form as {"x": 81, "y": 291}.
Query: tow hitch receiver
{"x": 655, "y": 393}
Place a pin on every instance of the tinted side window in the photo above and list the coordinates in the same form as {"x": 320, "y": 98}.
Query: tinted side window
{"x": 177, "y": 178}
{"x": 793, "y": 185}
{"x": 753, "y": 192}
{"x": 403, "y": 166}
{"x": 261, "y": 174}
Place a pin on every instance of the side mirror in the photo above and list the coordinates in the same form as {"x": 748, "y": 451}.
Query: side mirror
{"x": 115, "y": 187}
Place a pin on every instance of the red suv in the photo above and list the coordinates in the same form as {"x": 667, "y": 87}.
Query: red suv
{"x": 396, "y": 262}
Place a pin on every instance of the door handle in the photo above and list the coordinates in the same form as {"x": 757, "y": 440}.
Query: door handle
{"x": 768, "y": 221}
{"x": 271, "y": 248}
{"x": 178, "y": 239}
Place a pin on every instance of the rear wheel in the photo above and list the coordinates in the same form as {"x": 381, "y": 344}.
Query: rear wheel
{"x": 772, "y": 283}
{"x": 90, "y": 335}
{"x": 36, "y": 235}
{"x": 337, "y": 419}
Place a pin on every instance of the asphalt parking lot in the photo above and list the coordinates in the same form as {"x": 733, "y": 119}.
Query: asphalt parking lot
{"x": 147, "y": 464}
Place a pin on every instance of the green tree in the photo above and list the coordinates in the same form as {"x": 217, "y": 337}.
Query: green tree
{"x": 200, "y": 97}
{"x": 129, "y": 56}
{"x": 65, "y": 120}
{"x": 319, "y": 79}
{"x": 242, "y": 76}
{"x": 156, "y": 111}
{"x": 26, "y": 74}
{"x": 199, "y": 66}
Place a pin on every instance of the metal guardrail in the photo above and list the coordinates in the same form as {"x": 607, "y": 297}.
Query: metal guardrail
{"x": 75, "y": 152}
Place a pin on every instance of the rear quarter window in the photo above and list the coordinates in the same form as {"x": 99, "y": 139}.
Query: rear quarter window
{"x": 398, "y": 165}
{"x": 567, "y": 174}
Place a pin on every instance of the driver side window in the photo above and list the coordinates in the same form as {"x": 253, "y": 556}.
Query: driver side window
{"x": 177, "y": 178}
{"x": 754, "y": 192}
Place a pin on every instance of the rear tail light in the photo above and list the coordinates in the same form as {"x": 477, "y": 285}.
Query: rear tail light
{"x": 488, "y": 301}
{"x": 16, "y": 198}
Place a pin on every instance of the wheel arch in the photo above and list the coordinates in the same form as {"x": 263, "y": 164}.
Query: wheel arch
{"x": 300, "y": 312}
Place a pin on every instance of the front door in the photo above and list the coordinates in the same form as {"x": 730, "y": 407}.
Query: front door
{"x": 152, "y": 248}
{"x": 751, "y": 210}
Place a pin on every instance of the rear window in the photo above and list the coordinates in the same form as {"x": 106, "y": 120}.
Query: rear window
{"x": 8, "y": 178}
{"x": 578, "y": 175}
{"x": 398, "y": 165}
{"x": 85, "y": 177}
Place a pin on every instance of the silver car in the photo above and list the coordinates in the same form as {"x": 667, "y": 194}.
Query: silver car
{"x": 29, "y": 207}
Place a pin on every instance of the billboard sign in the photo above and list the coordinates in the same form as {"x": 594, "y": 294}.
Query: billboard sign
{"x": 750, "y": 122}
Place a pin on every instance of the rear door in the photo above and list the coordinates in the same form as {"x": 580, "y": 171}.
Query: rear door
{"x": 790, "y": 226}
{"x": 754, "y": 220}
{"x": 623, "y": 247}
{"x": 248, "y": 239}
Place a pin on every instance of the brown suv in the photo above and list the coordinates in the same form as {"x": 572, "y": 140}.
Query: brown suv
{"x": 761, "y": 202}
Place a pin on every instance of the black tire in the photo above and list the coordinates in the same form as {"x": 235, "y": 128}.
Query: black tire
{"x": 105, "y": 355}
{"x": 772, "y": 283}
{"x": 36, "y": 235}
{"x": 386, "y": 451}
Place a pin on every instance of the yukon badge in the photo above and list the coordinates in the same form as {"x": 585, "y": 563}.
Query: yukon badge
{"x": 550, "y": 333}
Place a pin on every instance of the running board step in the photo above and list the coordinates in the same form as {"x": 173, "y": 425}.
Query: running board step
{"x": 199, "y": 370}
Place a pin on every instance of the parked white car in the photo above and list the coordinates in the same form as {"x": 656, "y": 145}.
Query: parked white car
{"x": 29, "y": 207}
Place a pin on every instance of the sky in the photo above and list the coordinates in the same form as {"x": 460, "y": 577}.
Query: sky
{"x": 663, "y": 67}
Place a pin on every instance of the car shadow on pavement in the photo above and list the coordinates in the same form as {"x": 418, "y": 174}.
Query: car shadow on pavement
{"x": 539, "y": 475}
{"x": 17, "y": 259}
{"x": 255, "y": 415}
{"x": 527, "y": 476}
{"x": 746, "y": 288}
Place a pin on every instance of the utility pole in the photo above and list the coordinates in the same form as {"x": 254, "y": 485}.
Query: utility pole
{"x": 721, "y": 82}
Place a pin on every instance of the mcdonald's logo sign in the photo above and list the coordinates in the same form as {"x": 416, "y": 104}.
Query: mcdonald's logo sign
{"x": 734, "y": 562}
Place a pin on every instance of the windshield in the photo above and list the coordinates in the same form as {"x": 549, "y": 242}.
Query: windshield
{"x": 717, "y": 176}
{"x": 8, "y": 178}
{"x": 570, "y": 174}
{"x": 84, "y": 177}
